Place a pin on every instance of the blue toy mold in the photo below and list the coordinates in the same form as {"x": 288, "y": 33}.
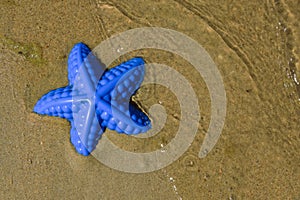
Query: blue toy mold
{"x": 96, "y": 99}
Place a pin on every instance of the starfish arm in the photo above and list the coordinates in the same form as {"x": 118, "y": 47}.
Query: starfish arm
{"x": 76, "y": 141}
{"x": 83, "y": 66}
{"x": 85, "y": 144}
{"x": 56, "y": 103}
{"x": 76, "y": 58}
{"x": 111, "y": 77}
{"x": 86, "y": 123}
{"x": 115, "y": 108}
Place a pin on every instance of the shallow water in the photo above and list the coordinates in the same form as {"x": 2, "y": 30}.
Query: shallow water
{"x": 255, "y": 46}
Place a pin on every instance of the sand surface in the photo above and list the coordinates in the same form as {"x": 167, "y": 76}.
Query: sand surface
{"x": 255, "y": 45}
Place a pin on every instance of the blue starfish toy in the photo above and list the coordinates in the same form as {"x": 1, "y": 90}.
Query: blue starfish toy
{"x": 96, "y": 98}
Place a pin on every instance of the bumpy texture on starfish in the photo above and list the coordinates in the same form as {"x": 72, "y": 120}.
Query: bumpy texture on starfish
{"x": 96, "y": 98}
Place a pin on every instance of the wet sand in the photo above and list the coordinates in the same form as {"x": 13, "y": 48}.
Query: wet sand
{"x": 254, "y": 44}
